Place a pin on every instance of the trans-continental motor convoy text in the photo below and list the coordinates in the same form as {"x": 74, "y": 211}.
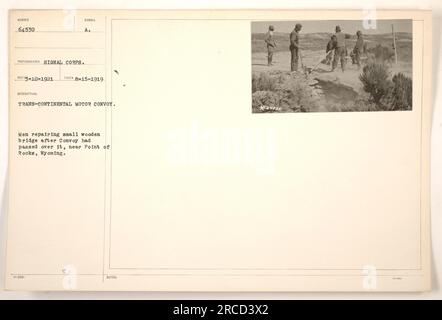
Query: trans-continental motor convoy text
{"x": 65, "y": 103}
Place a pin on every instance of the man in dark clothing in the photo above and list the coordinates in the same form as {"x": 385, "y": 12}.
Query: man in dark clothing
{"x": 294, "y": 47}
{"x": 341, "y": 49}
{"x": 358, "y": 49}
{"x": 271, "y": 45}
{"x": 331, "y": 45}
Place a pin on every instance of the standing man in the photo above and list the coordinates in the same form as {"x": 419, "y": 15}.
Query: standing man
{"x": 341, "y": 49}
{"x": 294, "y": 47}
{"x": 271, "y": 45}
{"x": 331, "y": 45}
{"x": 358, "y": 49}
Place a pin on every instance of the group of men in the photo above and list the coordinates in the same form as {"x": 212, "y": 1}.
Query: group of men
{"x": 336, "y": 50}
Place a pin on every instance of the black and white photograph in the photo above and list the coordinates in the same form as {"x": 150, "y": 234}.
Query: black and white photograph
{"x": 331, "y": 66}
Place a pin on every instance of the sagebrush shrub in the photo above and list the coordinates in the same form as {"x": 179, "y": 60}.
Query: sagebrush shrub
{"x": 382, "y": 54}
{"x": 401, "y": 92}
{"x": 265, "y": 101}
{"x": 297, "y": 95}
{"x": 263, "y": 82}
{"x": 282, "y": 91}
{"x": 375, "y": 81}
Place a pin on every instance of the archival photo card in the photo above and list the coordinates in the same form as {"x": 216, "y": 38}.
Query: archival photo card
{"x": 332, "y": 65}
{"x": 137, "y": 164}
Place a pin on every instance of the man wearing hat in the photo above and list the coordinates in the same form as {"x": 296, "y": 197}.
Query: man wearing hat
{"x": 358, "y": 49}
{"x": 294, "y": 47}
{"x": 341, "y": 49}
{"x": 271, "y": 45}
{"x": 331, "y": 45}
